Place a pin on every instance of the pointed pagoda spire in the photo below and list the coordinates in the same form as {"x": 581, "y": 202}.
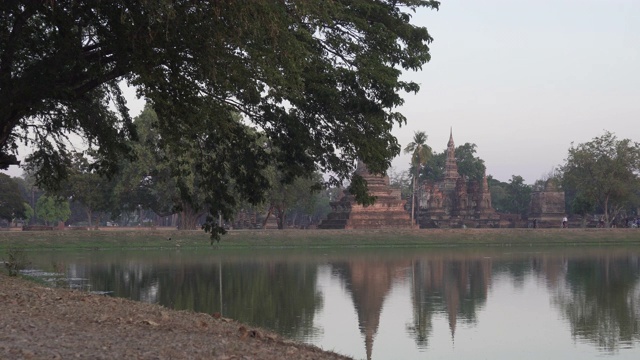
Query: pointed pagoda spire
{"x": 451, "y": 166}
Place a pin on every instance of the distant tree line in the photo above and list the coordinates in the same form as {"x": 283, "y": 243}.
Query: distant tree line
{"x": 162, "y": 182}
{"x": 601, "y": 177}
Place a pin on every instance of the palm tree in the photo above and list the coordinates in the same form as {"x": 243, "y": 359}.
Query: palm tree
{"x": 421, "y": 152}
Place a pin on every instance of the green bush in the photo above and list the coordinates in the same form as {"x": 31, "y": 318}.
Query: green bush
{"x": 16, "y": 260}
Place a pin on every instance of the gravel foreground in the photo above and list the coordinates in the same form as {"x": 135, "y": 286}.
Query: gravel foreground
{"x": 38, "y": 322}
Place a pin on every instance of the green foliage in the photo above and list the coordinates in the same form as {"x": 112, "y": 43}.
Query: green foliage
{"x": 87, "y": 187}
{"x": 513, "y": 197}
{"x": 582, "y": 205}
{"x": 28, "y": 213}
{"x": 320, "y": 80}
{"x": 11, "y": 202}
{"x": 520, "y": 195}
{"x": 52, "y": 209}
{"x": 163, "y": 178}
{"x": 604, "y": 172}
{"x": 419, "y": 150}
{"x": 434, "y": 168}
{"x": 300, "y": 194}
{"x": 469, "y": 165}
{"x": 499, "y": 196}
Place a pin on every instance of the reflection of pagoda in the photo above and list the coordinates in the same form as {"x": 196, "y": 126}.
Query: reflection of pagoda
{"x": 387, "y": 211}
{"x": 455, "y": 287}
{"x": 369, "y": 283}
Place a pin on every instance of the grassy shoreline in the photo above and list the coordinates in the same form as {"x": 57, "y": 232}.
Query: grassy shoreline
{"x": 165, "y": 238}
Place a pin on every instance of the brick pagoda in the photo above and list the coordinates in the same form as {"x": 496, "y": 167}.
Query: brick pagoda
{"x": 387, "y": 212}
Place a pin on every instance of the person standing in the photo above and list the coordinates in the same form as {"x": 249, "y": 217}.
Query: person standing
{"x": 564, "y": 222}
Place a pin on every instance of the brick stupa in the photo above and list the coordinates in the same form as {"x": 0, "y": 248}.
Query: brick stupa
{"x": 547, "y": 206}
{"x": 387, "y": 212}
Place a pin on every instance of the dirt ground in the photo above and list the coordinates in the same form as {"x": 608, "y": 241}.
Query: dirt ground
{"x": 38, "y": 322}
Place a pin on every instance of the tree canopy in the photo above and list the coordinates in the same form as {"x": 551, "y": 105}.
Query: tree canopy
{"x": 605, "y": 172}
{"x": 513, "y": 197}
{"x": 52, "y": 209}
{"x": 320, "y": 79}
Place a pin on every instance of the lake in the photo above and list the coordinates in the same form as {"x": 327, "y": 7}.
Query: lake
{"x": 390, "y": 303}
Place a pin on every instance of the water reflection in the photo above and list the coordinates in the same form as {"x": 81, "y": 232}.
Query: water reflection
{"x": 602, "y": 300}
{"x": 454, "y": 285}
{"x": 595, "y": 293}
{"x": 272, "y": 293}
{"x": 369, "y": 280}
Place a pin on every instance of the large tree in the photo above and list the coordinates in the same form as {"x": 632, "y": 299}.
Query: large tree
{"x": 320, "y": 79}
{"x": 162, "y": 178}
{"x": 511, "y": 197}
{"x": 11, "y": 201}
{"x": 88, "y": 188}
{"x": 282, "y": 198}
{"x": 52, "y": 209}
{"x": 605, "y": 172}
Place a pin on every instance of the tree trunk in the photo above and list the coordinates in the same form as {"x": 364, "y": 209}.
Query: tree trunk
{"x": 266, "y": 218}
{"x": 280, "y": 215}
{"x": 606, "y": 212}
{"x": 189, "y": 218}
{"x": 413, "y": 197}
{"x": 89, "y": 216}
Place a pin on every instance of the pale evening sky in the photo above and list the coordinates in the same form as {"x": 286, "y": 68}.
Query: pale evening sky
{"x": 522, "y": 80}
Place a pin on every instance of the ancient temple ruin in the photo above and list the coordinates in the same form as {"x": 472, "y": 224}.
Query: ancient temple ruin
{"x": 455, "y": 201}
{"x": 387, "y": 212}
{"x": 547, "y": 206}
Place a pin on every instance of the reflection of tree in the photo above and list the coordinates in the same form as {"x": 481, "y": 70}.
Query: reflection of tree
{"x": 280, "y": 296}
{"x": 517, "y": 269}
{"x": 602, "y": 303}
{"x": 125, "y": 279}
{"x": 456, "y": 287}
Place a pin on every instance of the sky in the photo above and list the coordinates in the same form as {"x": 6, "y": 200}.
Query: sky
{"x": 522, "y": 80}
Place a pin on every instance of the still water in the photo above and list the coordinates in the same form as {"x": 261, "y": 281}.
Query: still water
{"x": 494, "y": 303}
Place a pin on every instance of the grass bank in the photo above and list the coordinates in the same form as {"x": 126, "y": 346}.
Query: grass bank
{"x": 159, "y": 239}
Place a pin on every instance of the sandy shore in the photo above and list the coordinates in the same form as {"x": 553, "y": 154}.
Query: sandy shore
{"x": 38, "y": 322}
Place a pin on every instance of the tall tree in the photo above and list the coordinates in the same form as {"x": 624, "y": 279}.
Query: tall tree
{"x": 519, "y": 195}
{"x": 85, "y": 186}
{"x": 511, "y": 197}
{"x": 52, "y": 209}
{"x": 469, "y": 165}
{"x": 420, "y": 153}
{"x": 11, "y": 201}
{"x": 320, "y": 79}
{"x": 282, "y": 197}
{"x": 163, "y": 178}
{"x": 605, "y": 171}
